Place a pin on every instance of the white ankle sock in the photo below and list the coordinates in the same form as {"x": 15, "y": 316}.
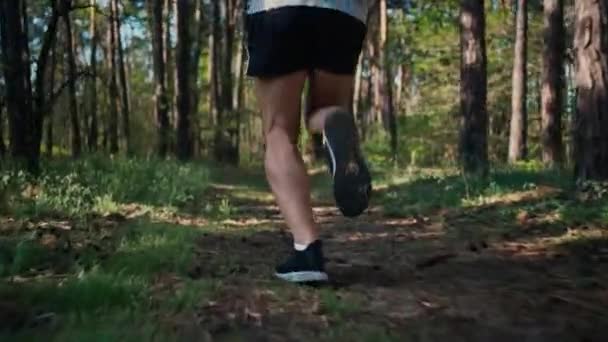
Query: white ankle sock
{"x": 300, "y": 247}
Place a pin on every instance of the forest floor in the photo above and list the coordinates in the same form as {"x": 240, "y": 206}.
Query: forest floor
{"x": 436, "y": 258}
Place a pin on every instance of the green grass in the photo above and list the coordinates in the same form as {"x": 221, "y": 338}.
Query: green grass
{"x": 147, "y": 249}
{"x": 419, "y": 191}
{"x": 101, "y": 184}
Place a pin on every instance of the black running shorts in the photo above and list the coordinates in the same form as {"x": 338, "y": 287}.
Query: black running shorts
{"x": 290, "y": 39}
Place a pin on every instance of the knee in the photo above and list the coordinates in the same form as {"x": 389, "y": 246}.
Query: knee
{"x": 279, "y": 148}
{"x": 279, "y": 136}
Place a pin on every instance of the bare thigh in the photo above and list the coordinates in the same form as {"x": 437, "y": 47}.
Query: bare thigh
{"x": 279, "y": 99}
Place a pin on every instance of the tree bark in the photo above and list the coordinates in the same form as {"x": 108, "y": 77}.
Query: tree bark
{"x": 519, "y": 114}
{"x": 357, "y": 88}
{"x": 218, "y": 104}
{"x": 42, "y": 105}
{"x": 171, "y": 9}
{"x": 161, "y": 98}
{"x": 50, "y": 115}
{"x": 239, "y": 68}
{"x": 376, "y": 68}
{"x": 114, "y": 96}
{"x": 386, "y": 90}
{"x": 2, "y": 146}
{"x": 552, "y": 82}
{"x": 227, "y": 76}
{"x": 473, "y": 148}
{"x": 184, "y": 95}
{"x": 197, "y": 88}
{"x": 124, "y": 84}
{"x": 73, "y": 102}
{"x": 16, "y": 66}
{"x": 591, "y": 118}
{"x": 93, "y": 129}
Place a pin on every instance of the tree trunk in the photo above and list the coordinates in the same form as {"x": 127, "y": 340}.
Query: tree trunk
{"x": 124, "y": 84}
{"x": 197, "y": 88}
{"x": 104, "y": 119}
{"x": 552, "y": 82}
{"x": 170, "y": 65}
{"x": 519, "y": 114}
{"x": 473, "y": 144}
{"x": 2, "y": 146}
{"x": 231, "y": 151}
{"x": 228, "y": 39}
{"x": 49, "y": 124}
{"x": 93, "y": 130}
{"x": 399, "y": 87}
{"x": 375, "y": 56}
{"x": 386, "y": 91}
{"x": 114, "y": 97}
{"x": 239, "y": 74}
{"x": 2, "y": 104}
{"x": 42, "y": 104}
{"x": 183, "y": 65}
{"x": 217, "y": 99}
{"x": 70, "y": 47}
{"x": 591, "y": 118}
{"x": 16, "y": 66}
{"x": 357, "y": 88}
{"x": 241, "y": 60}
{"x": 161, "y": 105}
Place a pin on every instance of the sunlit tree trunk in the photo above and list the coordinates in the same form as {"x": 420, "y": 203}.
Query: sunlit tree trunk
{"x": 591, "y": 118}
{"x": 473, "y": 144}
{"x": 239, "y": 74}
{"x": 357, "y": 88}
{"x": 519, "y": 114}
{"x": 552, "y": 82}
{"x": 170, "y": 62}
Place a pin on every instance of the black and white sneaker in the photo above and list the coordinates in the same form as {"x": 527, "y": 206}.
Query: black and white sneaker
{"x": 305, "y": 266}
{"x": 352, "y": 179}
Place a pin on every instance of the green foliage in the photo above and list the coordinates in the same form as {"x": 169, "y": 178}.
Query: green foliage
{"x": 99, "y": 184}
{"x": 419, "y": 191}
{"x": 149, "y": 249}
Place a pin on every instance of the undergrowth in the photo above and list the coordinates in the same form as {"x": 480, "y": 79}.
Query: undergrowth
{"x": 77, "y": 187}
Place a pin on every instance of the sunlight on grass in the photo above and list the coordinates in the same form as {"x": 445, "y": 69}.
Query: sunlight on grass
{"x": 417, "y": 191}
{"x": 88, "y": 292}
{"x": 81, "y": 186}
{"x": 150, "y": 248}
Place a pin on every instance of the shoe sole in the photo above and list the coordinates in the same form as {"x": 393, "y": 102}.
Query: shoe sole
{"x": 352, "y": 179}
{"x": 303, "y": 276}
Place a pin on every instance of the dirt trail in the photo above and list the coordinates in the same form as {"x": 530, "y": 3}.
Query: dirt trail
{"x": 443, "y": 277}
